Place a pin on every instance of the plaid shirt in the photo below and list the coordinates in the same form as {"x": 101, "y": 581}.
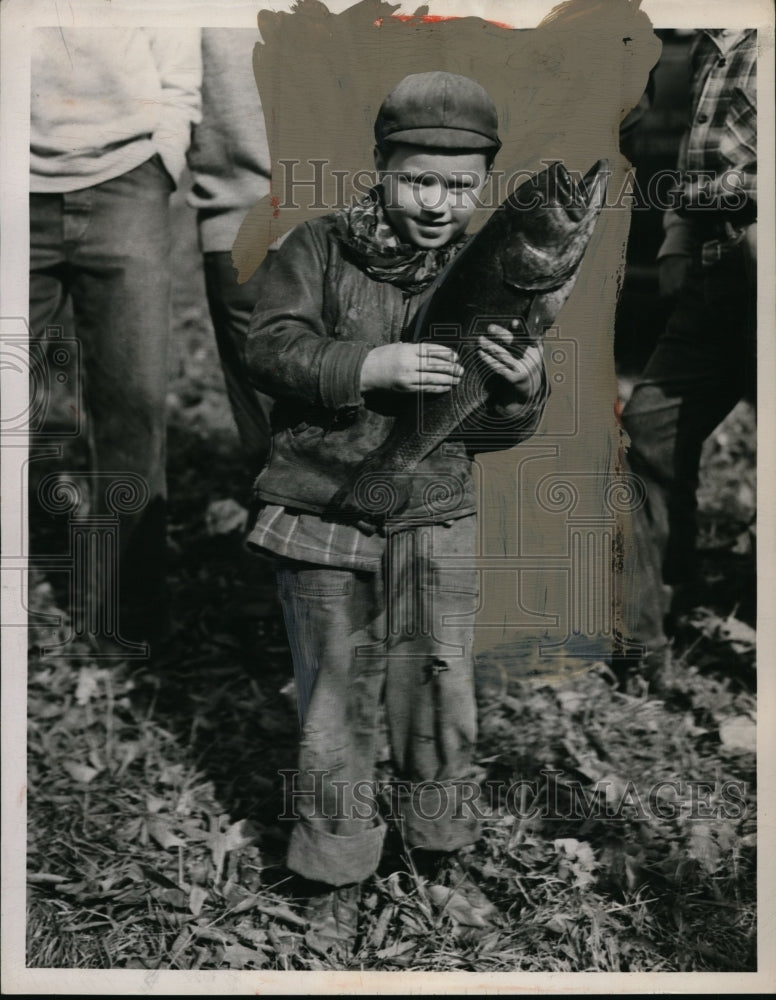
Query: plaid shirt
{"x": 307, "y": 538}
{"x": 721, "y": 140}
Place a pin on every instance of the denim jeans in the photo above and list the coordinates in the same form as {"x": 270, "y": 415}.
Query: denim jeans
{"x": 703, "y": 364}
{"x": 107, "y": 247}
{"x": 404, "y": 635}
{"x": 231, "y": 305}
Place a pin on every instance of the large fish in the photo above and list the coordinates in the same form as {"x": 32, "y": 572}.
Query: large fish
{"x": 520, "y": 266}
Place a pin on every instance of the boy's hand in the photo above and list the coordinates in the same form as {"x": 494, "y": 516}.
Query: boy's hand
{"x": 411, "y": 368}
{"x": 522, "y": 371}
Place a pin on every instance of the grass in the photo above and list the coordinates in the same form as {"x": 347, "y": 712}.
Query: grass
{"x": 154, "y": 790}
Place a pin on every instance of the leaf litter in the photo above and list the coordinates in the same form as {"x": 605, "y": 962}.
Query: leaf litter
{"x": 154, "y": 791}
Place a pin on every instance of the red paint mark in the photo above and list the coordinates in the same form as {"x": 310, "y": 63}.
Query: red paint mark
{"x": 22, "y": 795}
{"x": 437, "y": 19}
{"x": 424, "y": 18}
{"x": 275, "y": 202}
{"x": 619, "y": 465}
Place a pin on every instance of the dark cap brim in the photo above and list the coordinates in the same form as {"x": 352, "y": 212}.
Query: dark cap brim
{"x": 443, "y": 138}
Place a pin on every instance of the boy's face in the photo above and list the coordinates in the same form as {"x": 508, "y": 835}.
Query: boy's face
{"x": 430, "y": 194}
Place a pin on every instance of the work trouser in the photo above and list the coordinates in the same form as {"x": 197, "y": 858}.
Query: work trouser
{"x": 231, "y": 304}
{"x": 403, "y": 634}
{"x": 107, "y": 248}
{"x": 703, "y": 364}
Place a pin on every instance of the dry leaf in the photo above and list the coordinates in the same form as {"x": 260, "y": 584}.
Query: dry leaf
{"x": 225, "y": 516}
{"x": 558, "y": 923}
{"x": 45, "y": 878}
{"x": 580, "y": 857}
{"x": 88, "y": 684}
{"x": 255, "y": 935}
{"x": 395, "y": 890}
{"x": 211, "y": 934}
{"x": 237, "y": 956}
{"x": 240, "y": 834}
{"x": 176, "y": 898}
{"x": 281, "y": 912}
{"x": 80, "y": 772}
{"x": 381, "y": 926}
{"x": 570, "y": 699}
{"x": 738, "y": 634}
{"x": 197, "y": 898}
{"x": 460, "y": 908}
{"x": 141, "y": 872}
{"x": 162, "y": 834}
{"x": 739, "y": 733}
{"x": 395, "y": 949}
{"x": 703, "y": 848}
{"x": 613, "y": 788}
{"x": 579, "y": 850}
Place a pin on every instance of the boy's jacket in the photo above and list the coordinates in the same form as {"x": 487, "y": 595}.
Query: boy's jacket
{"x": 317, "y": 317}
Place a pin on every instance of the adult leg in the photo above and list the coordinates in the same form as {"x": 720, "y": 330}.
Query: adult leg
{"x": 231, "y": 305}
{"x": 118, "y": 234}
{"x": 697, "y": 373}
{"x": 54, "y": 401}
{"x": 49, "y": 276}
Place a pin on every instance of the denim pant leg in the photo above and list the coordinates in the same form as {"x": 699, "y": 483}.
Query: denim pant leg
{"x": 108, "y": 247}
{"x": 329, "y": 613}
{"x": 701, "y": 367}
{"x": 231, "y": 305}
{"x": 429, "y": 695}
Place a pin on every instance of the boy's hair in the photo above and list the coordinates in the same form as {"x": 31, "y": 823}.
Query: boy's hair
{"x": 439, "y": 110}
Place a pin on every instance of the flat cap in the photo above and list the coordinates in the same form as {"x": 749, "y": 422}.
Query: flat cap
{"x": 438, "y": 109}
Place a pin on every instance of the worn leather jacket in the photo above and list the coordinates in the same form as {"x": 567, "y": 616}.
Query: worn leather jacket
{"x": 317, "y": 317}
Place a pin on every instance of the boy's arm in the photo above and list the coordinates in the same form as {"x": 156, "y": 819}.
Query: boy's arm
{"x": 288, "y": 350}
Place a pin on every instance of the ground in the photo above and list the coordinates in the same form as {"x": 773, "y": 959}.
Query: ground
{"x": 626, "y": 844}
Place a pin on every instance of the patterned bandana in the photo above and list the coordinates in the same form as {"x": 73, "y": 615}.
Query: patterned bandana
{"x": 364, "y": 230}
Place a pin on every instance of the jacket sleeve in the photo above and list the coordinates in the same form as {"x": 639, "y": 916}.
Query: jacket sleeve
{"x": 289, "y": 351}
{"x": 178, "y": 58}
{"x": 677, "y": 236}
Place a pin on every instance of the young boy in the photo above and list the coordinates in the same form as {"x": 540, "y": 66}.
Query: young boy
{"x": 389, "y": 614}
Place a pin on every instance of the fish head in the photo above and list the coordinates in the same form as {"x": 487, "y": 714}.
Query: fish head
{"x": 547, "y": 224}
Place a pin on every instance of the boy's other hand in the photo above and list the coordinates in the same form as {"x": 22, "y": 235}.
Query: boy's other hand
{"x": 521, "y": 369}
{"x": 411, "y": 368}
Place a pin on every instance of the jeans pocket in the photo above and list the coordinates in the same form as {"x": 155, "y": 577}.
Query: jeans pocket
{"x": 158, "y": 163}
{"x": 453, "y": 581}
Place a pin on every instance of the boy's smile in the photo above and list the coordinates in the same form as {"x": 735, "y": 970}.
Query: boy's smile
{"x": 430, "y": 194}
